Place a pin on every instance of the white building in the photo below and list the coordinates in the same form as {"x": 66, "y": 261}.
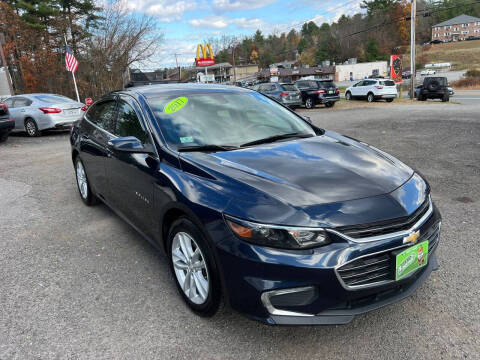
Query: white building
{"x": 4, "y": 89}
{"x": 361, "y": 70}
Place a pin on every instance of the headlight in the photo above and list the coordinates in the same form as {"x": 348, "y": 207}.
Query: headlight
{"x": 283, "y": 237}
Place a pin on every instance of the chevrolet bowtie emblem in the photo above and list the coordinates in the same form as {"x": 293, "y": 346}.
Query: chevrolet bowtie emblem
{"x": 412, "y": 238}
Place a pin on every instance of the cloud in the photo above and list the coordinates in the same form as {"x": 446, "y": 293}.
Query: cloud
{"x": 220, "y": 22}
{"x": 239, "y": 5}
{"x": 164, "y": 10}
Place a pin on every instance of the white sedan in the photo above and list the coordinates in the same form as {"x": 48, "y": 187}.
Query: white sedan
{"x": 36, "y": 112}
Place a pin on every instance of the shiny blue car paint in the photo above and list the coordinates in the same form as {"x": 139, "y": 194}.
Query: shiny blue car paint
{"x": 324, "y": 181}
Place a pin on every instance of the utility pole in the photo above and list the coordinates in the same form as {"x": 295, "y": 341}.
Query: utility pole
{"x": 178, "y": 68}
{"x": 234, "y": 67}
{"x": 4, "y": 61}
{"x": 413, "y": 69}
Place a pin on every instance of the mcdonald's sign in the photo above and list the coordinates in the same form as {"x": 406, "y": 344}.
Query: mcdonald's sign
{"x": 202, "y": 59}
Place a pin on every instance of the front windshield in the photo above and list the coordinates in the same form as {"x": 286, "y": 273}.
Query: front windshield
{"x": 222, "y": 118}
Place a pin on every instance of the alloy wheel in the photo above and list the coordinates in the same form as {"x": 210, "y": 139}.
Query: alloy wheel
{"x": 190, "y": 268}
{"x": 31, "y": 128}
{"x": 309, "y": 103}
{"x": 370, "y": 98}
{"x": 348, "y": 96}
{"x": 82, "y": 180}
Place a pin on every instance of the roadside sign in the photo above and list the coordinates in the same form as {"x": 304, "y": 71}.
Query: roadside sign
{"x": 396, "y": 66}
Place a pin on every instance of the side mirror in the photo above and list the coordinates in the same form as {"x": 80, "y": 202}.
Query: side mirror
{"x": 130, "y": 144}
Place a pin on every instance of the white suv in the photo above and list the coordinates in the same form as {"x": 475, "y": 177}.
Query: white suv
{"x": 372, "y": 89}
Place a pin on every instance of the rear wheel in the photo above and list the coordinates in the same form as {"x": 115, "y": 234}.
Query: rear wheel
{"x": 31, "y": 128}
{"x": 389, "y": 100}
{"x": 329, "y": 104}
{"x": 446, "y": 98}
{"x": 309, "y": 104}
{"x": 348, "y": 95}
{"x": 193, "y": 266}
{"x": 370, "y": 97}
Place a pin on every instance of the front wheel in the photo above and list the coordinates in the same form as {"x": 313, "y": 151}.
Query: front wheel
{"x": 193, "y": 266}
{"x": 84, "y": 188}
{"x": 309, "y": 103}
{"x": 348, "y": 96}
{"x": 370, "y": 97}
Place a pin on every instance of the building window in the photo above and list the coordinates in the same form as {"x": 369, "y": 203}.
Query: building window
{"x": 464, "y": 32}
{"x": 455, "y": 29}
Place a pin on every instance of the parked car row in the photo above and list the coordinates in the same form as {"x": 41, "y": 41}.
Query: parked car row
{"x": 33, "y": 113}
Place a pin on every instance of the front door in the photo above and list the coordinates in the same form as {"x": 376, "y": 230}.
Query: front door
{"x": 131, "y": 175}
{"x": 95, "y": 132}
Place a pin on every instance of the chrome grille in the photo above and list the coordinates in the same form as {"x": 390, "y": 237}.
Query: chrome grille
{"x": 378, "y": 268}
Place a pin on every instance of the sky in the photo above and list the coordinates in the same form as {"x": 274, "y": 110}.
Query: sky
{"x": 186, "y": 23}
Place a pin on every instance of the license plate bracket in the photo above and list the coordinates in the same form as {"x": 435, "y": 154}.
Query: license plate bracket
{"x": 411, "y": 259}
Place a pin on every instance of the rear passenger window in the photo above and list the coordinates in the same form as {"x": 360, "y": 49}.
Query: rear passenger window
{"x": 22, "y": 102}
{"x": 128, "y": 123}
{"x": 102, "y": 114}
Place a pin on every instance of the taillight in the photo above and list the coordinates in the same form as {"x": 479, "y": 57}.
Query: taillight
{"x": 320, "y": 92}
{"x": 337, "y": 92}
{"x": 283, "y": 94}
{"x": 50, "y": 110}
{"x": 84, "y": 108}
{"x": 379, "y": 87}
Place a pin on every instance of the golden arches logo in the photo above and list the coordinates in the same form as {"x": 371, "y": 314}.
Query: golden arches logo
{"x": 203, "y": 50}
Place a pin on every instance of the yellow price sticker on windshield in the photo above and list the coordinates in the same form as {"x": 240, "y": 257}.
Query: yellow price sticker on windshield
{"x": 175, "y": 105}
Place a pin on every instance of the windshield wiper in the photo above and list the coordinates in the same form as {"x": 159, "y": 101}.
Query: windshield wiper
{"x": 276, "y": 138}
{"x": 207, "y": 148}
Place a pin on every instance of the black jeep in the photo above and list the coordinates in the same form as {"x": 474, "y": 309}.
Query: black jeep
{"x": 434, "y": 88}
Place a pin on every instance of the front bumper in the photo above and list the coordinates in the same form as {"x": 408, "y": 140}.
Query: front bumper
{"x": 251, "y": 273}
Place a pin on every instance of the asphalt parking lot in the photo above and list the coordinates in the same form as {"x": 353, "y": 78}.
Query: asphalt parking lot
{"x": 78, "y": 282}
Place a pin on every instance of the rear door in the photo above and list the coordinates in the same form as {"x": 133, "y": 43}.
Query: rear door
{"x": 131, "y": 175}
{"x": 95, "y": 131}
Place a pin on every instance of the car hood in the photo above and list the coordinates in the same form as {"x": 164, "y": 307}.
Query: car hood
{"x": 303, "y": 172}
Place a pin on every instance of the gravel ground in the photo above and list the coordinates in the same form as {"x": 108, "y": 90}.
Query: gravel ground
{"x": 77, "y": 282}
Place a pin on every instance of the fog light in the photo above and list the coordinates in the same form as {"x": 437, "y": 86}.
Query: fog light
{"x": 300, "y": 296}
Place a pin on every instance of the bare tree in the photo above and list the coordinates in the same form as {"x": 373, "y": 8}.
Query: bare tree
{"x": 122, "y": 39}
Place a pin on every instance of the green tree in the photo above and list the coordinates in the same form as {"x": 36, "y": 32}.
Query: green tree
{"x": 373, "y": 6}
{"x": 371, "y": 50}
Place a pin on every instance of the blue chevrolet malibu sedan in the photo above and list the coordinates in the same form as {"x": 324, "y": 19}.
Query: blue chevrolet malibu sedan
{"x": 287, "y": 222}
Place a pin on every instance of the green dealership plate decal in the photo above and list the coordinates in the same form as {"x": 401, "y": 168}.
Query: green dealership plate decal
{"x": 175, "y": 105}
{"x": 411, "y": 259}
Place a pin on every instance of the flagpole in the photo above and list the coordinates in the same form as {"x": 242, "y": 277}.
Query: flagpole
{"x": 73, "y": 74}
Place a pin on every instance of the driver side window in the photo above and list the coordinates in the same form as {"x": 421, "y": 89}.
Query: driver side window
{"x": 128, "y": 123}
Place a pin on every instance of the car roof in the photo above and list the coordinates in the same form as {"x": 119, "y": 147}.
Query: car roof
{"x": 163, "y": 89}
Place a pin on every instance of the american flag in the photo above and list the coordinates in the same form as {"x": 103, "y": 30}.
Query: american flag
{"x": 70, "y": 61}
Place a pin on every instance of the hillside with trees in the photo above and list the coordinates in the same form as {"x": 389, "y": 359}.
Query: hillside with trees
{"x": 382, "y": 29}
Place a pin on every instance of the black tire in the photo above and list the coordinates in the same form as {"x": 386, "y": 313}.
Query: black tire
{"x": 31, "y": 128}
{"x": 348, "y": 96}
{"x": 370, "y": 97}
{"x": 446, "y": 98}
{"x": 389, "y": 100}
{"x": 3, "y": 136}
{"x": 309, "y": 103}
{"x": 89, "y": 197}
{"x": 329, "y": 104}
{"x": 213, "y": 300}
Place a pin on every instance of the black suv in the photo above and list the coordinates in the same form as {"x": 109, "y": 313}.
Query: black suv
{"x": 6, "y": 124}
{"x": 318, "y": 92}
{"x": 434, "y": 88}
